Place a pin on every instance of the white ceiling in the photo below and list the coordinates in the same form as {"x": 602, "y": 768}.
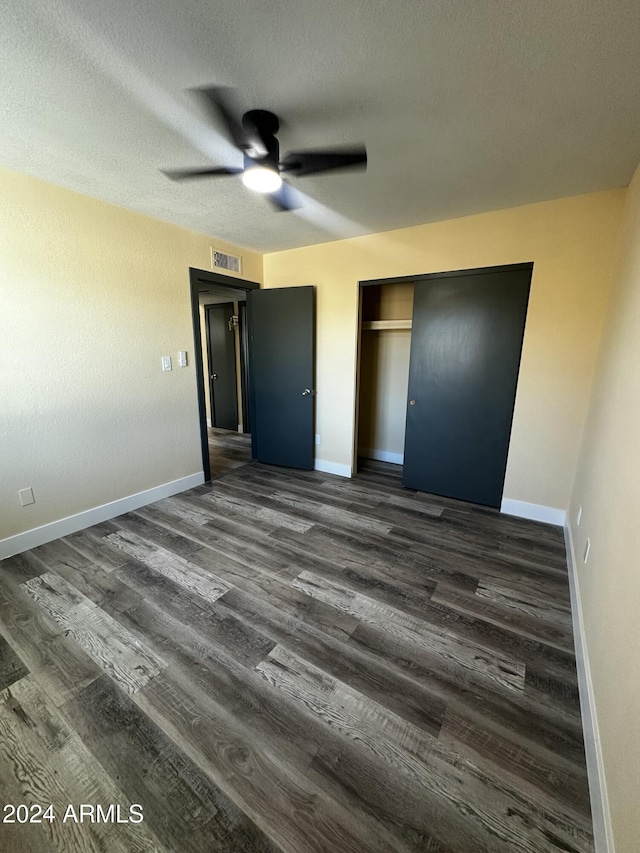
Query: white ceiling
{"x": 464, "y": 105}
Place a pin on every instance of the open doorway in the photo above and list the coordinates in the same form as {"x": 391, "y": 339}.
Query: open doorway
{"x": 228, "y": 427}
{"x": 218, "y": 305}
{"x": 221, "y": 363}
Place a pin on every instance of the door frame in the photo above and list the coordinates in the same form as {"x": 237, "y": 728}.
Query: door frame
{"x": 407, "y": 279}
{"x": 199, "y": 282}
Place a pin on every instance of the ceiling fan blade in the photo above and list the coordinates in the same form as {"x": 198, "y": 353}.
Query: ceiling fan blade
{"x": 219, "y": 103}
{"x": 284, "y": 199}
{"x": 185, "y": 174}
{"x": 300, "y": 163}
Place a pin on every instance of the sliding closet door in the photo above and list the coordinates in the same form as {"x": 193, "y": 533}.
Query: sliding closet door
{"x": 465, "y": 355}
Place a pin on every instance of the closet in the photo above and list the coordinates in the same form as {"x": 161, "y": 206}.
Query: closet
{"x": 385, "y": 345}
{"x": 438, "y": 373}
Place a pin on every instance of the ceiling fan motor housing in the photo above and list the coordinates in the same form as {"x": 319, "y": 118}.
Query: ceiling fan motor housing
{"x": 265, "y": 125}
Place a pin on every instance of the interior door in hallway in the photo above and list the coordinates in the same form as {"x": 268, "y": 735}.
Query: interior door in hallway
{"x": 466, "y": 342}
{"x": 222, "y": 366}
{"x": 281, "y": 375}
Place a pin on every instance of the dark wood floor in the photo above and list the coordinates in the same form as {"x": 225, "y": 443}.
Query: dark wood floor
{"x": 228, "y": 451}
{"x": 293, "y": 661}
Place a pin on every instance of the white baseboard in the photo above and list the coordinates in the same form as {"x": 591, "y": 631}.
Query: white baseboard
{"x": 63, "y": 527}
{"x": 382, "y": 456}
{"x": 534, "y": 512}
{"x": 600, "y": 813}
{"x": 332, "y": 468}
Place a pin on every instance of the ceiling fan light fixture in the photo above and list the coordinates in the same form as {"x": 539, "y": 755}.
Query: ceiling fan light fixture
{"x": 254, "y": 135}
{"x": 261, "y": 179}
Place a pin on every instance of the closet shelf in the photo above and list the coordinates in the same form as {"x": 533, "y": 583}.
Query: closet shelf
{"x": 380, "y": 325}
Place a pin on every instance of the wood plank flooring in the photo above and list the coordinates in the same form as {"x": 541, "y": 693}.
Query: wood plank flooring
{"x": 290, "y": 661}
{"x": 228, "y": 451}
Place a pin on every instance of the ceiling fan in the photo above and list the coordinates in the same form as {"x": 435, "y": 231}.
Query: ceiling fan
{"x": 255, "y": 135}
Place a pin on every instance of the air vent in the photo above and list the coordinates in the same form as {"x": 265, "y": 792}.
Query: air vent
{"x": 221, "y": 261}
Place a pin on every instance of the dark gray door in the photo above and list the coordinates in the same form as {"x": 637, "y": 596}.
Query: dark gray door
{"x": 222, "y": 366}
{"x": 466, "y": 341}
{"x": 281, "y": 375}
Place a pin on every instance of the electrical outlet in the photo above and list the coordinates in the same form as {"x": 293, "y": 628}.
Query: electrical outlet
{"x": 587, "y": 548}
{"x": 182, "y": 358}
{"x": 26, "y": 496}
{"x": 579, "y": 515}
{"x": 317, "y": 438}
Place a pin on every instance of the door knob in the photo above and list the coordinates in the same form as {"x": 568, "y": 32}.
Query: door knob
{"x": 214, "y": 375}
{"x": 412, "y": 402}
{"x": 306, "y": 392}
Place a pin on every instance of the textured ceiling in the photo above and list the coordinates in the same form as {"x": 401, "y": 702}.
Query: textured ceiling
{"x": 464, "y": 106}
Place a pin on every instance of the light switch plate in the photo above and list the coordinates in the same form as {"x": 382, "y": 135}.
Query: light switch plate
{"x": 166, "y": 362}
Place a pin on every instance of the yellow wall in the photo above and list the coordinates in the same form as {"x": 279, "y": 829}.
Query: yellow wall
{"x": 92, "y": 296}
{"x": 571, "y": 243}
{"x": 608, "y": 489}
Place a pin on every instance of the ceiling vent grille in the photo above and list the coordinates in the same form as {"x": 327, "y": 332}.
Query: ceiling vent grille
{"x": 222, "y": 261}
